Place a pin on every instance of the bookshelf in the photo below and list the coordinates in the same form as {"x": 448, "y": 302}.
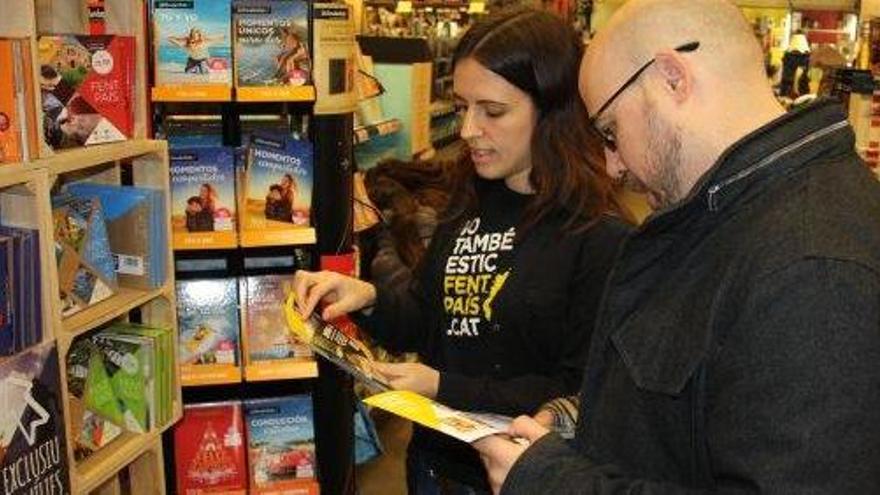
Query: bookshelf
{"x": 132, "y": 463}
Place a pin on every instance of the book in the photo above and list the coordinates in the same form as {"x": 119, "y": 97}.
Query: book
{"x": 165, "y": 364}
{"x": 25, "y": 285}
{"x": 276, "y": 198}
{"x": 267, "y": 342}
{"x": 136, "y": 230}
{"x": 192, "y": 50}
{"x": 18, "y": 135}
{"x": 340, "y": 348}
{"x": 270, "y": 51}
{"x": 208, "y": 325}
{"x": 7, "y": 327}
{"x": 209, "y": 450}
{"x": 87, "y": 87}
{"x": 130, "y": 361}
{"x": 203, "y": 198}
{"x": 33, "y": 446}
{"x": 465, "y": 426}
{"x": 281, "y": 443}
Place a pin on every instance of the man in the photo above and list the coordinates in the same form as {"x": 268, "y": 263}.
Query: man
{"x": 738, "y": 346}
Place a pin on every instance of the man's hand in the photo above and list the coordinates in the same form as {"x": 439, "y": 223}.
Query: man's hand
{"x": 343, "y": 294}
{"x": 500, "y": 453}
{"x": 415, "y": 377}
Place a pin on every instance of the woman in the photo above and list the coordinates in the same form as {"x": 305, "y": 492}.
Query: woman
{"x": 502, "y": 305}
{"x": 288, "y": 195}
{"x": 196, "y": 45}
{"x": 208, "y": 195}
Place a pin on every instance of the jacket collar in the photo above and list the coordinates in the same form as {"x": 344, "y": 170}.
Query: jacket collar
{"x": 772, "y": 150}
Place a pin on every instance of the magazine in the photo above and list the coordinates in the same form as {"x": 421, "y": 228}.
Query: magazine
{"x": 465, "y": 426}
{"x": 333, "y": 344}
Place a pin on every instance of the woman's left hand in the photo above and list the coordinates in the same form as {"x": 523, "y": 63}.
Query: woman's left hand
{"x": 415, "y": 377}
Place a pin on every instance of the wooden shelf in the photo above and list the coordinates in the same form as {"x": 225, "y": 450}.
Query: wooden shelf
{"x": 105, "y": 463}
{"x": 90, "y": 156}
{"x": 96, "y": 315}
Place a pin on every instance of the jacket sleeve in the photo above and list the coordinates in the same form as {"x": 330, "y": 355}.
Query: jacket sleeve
{"x": 567, "y": 352}
{"x": 792, "y": 397}
{"x": 406, "y": 309}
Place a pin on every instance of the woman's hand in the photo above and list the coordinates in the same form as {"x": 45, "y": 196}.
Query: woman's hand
{"x": 415, "y": 377}
{"x": 343, "y": 294}
{"x": 545, "y": 418}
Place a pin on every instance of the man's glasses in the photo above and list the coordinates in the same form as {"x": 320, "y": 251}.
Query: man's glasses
{"x": 607, "y": 134}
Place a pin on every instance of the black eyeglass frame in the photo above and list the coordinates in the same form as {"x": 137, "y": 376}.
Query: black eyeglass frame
{"x": 610, "y": 143}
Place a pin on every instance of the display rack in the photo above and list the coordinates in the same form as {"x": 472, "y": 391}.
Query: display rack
{"x": 132, "y": 463}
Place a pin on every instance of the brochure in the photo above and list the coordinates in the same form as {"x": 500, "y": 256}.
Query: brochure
{"x": 329, "y": 341}
{"x": 465, "y": 426}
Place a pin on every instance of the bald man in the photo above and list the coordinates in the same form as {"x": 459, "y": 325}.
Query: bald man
{"x": 737, "y": 349}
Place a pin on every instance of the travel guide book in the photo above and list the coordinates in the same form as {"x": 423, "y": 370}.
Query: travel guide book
{"x": 203, "y": 198}
{"x": 277, "y": 191}
{"x": 270, "y": 350}
{"x": 192, "y": 50}
{"x": 281, "y": 445}
{"x": 338, "y": 347}
{"x": 465, "y": 426}
{"x": 33, "y": 448}
{"x": 87, "y": 85}
{"x": 208, "y": 322}
{"x": 209, "y": 450}
{"x": 271, "y": 50}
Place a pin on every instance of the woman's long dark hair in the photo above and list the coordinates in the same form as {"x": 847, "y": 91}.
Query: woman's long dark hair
{"x": 540, "y": 54}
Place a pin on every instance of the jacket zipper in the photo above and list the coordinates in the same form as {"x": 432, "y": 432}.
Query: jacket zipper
{"x": 769, "y": 160}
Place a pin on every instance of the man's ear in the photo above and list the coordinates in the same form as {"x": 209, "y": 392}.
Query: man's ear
{"x": 676, "y": 75}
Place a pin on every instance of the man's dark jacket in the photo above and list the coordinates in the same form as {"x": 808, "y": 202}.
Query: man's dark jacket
{"x": 738, "y": 345}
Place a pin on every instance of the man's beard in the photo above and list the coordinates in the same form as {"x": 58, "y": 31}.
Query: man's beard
{"x": 662, "y": 160}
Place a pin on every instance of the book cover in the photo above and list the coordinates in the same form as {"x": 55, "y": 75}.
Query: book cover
{"x": 209, "y": 451}
{"x": 208, "y": 322}
{"x": 465, "y": 426}
{"x": 269, "y": 348}
{"x": 343, "y": 350}
{"x": 130, "y": 362}
{"x": 136, "y": 230}
{"x": 87, "y": 88}
{"x": 192, "y": 48}
{"x": 203, "y": 198}
{"x": 33, "y": 448}
{"x": 165, "y": 364}
{"x": 277, "y": 191}
{"x": 7, "y": 337}
{"x": 271, "y": 49}
{"x": 18, "y": 138}
{"x": 10, "y": 136}
{"x": 281, "y": 443}
{"x": 27, "y": 316}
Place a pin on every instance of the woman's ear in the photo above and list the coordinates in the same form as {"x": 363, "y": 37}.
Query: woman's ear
{"x": 676, "y": 74}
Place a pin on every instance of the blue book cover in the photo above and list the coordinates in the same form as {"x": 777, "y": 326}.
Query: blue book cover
{"x": 26, "y": 300}
{"x": 271, "y": 42}
{"x": 281, "y": 440}
{"x": 79, "y": 221}
{"x": 278, "y": 184}
{"x": 203, "y": 198}
{"x": 208, "y": 322}
{"x": 136, "y": 228}
{"x": 192, "y": 42}
{"x": 7, "y": 336}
